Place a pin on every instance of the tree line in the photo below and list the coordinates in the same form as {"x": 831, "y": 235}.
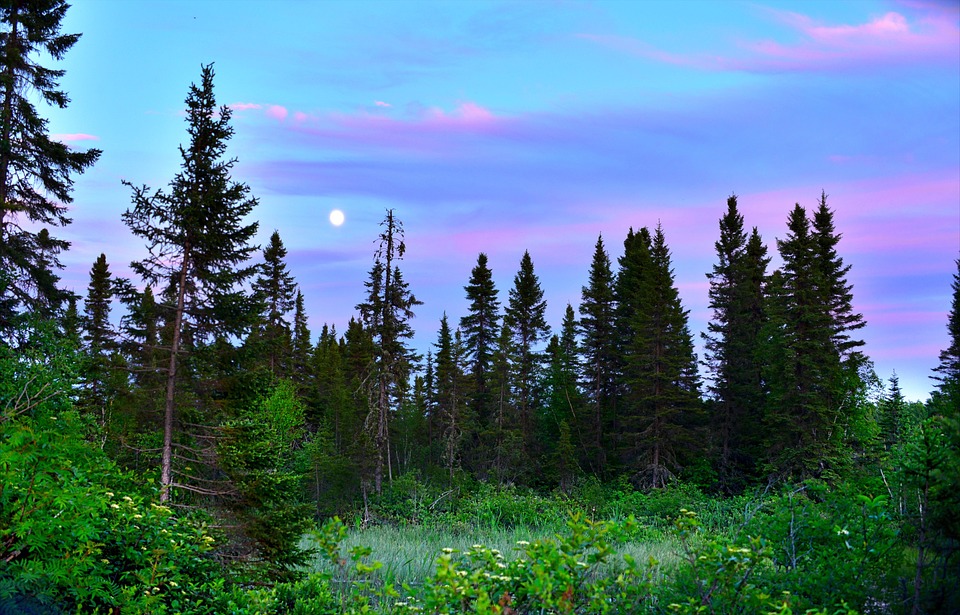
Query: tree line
{"x": 214, "y": 386}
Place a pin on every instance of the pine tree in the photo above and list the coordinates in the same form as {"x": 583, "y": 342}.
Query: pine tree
{"x": 948, "y": 371}
{"x": 300, "y": 359}
{"x": 449, "y": 397}
{"x": 35, "y": 172}
{"x": 480, "y": 328}
{"x": 525, "y": 316}
{"x": 597, "y": 330}
{"x": 632, "y": 292}
{"x": 276, "y": 290}
{"x": 661, "y": 375}
{"x": 99, "y": 337}
{"x": 800, "y": 416}
{"x": 835, "y": 292}
{"x": 387, "y": 313}
{"x": 732, "y": 343}
{"x": 198, "y": 244}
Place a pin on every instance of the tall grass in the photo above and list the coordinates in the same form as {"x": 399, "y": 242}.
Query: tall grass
{"x": 409, "y": 553}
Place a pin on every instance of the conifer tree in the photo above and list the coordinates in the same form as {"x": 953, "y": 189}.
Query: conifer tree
{"x": 732, "y": 344}
{"x": 525, "y": 316}
{"x": 632, "y": 293}
{"x": 480, "y": 328}
{"x": 664, "y": 410}
{"x": 275, "y": 289}
{"x": 597, "y": 330}
{"x": 199, "y": 244}
{"x": 300, "y": 359}
{"x": 35, "y": 171}
{"x": 99, "y": 337}
{"x": 387, "y": 313}
{"x": 449, "y": 396}
{"x": 947, "y": 373}
{"x": 800, "y": 417}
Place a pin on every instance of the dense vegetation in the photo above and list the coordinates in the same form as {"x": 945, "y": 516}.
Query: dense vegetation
{"x": 182, "y": 461}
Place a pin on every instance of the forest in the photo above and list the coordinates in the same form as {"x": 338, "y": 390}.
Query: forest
{"x": 187, "y": 442}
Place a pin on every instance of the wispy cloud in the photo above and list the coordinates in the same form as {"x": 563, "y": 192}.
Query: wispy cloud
{"x": 74, "y": 137}
{"x": 277, "y": 112}
{"x": 244, "y": 106}
{"x": 885, "y": 40}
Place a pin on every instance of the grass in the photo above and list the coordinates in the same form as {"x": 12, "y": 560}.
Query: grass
{"x": 409, "y": 553}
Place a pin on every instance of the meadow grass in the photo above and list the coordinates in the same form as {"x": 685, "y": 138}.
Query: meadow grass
{"x": 409, "y": 553}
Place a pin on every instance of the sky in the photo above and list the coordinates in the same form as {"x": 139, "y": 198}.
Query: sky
{"x": 500, "y": 127}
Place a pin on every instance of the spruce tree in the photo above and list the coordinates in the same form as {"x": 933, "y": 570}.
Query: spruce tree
{"x": 99, "y": 338}
{"x": 449, "y": 397}
{"x": 947, "y": 373}
{"x": 199, "y": 244}
{"x": 632, "y": 293}
{"x": 300, "y": 357}
{"x": 664, "y": 413}
{"x": 525, "y": 316}
{"x": 276, "y": 290}
{"x": 599, "y": 348}
{"x": 387, "y": 313}
{"x": 732, "y": 344}
{"x": 800, "y": 416}
{"x": 35, "y": 171}
{"x": 480, "y": 328}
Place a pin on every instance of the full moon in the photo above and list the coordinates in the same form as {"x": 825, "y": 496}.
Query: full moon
{"x": 336, "y": 217}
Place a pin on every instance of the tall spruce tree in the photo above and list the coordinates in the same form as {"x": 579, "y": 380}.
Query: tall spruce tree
{"x": 597, "y": 329}
{"x": 300, "y": 358}
{"x": 387, "y": 313}
{"x": 480, "y": 328}
{"x": 99, "y": 337}
{"x": 525, "y": 316}
{"x": 449, "y": 397}
{"x": 276, "y": 290}
{"x": 35, "y": 171}
{"x": 947, "y": 372}
{"x": 662, "y": 421}
{"x": 800, "y": 415}
{"x": 199, "y": 245}
{"x": 732, "y": 344}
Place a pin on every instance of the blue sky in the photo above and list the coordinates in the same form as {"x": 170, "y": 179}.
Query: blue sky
{"x": 511, "y": 126}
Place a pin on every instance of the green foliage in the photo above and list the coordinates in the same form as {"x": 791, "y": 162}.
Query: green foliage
{"x": 256, "y": 452}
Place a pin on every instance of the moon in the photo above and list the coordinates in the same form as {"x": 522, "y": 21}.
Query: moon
{"x": 336, "y": 217}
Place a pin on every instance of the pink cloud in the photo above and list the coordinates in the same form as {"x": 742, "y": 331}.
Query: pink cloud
{"x": 887, "y": 39}
{"x": 380, "y": 103}
{"x": 300, "y": 117}
{"x": 242, "y": 106}
{"x": 73, "y": 137}
{"x": 277, "y": 112}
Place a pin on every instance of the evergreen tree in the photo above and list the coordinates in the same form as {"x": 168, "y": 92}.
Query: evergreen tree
{"x": 387, "y": 313}
{"x": 98, "y": 336}
{"x": 835, "y": 292}
{"x": 891, "y": 412}
{"x": 300, "y": 359}
{"x": 276, "y": 291}
{"x": 527, "y": 322}
{"x": 598, "y": 332}
{"x": 632, "y": 293}
{"x": 35, "y": 171}
{"x": 948, "y": 371}
{"x": 800, "y": 417}
{"x": 198, "y": 244}
{"x": 662, "y": 375}
{"x": 449, "y": 396}
{"x": 480, "y": 328}
{"x": 732, "y": 344}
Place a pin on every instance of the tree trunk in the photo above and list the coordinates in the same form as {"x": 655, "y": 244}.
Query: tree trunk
{"x": 7, "y": 120}
{"x": 166, "y": 461}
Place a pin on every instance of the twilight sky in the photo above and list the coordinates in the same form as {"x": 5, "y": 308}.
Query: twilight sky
{"x": 511, "y": 126}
